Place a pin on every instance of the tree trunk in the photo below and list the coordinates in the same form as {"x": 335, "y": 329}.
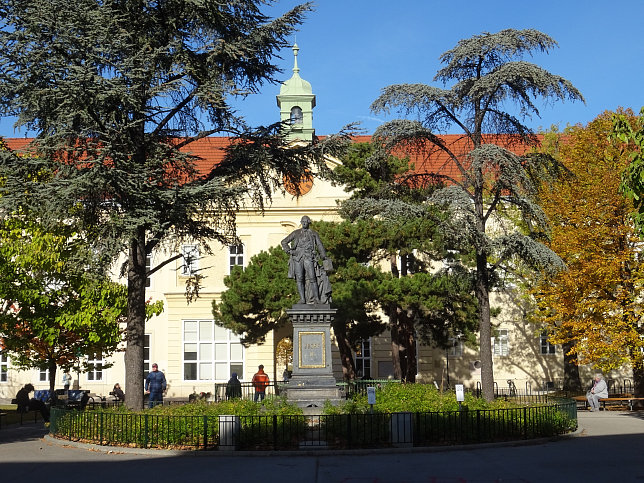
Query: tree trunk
{"x": 346, "y": 356}
{"x": 638, "y": 379}
{"x": 485, "y": 327}
{"x": 135, "y": 332}
{"x": 52, "y": 380}
{"x": 396, "y": 347}
{"x": 572, "y": 382}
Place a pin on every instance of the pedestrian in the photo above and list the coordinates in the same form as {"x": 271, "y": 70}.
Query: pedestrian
{"x": 67, "y": 380}
{"x": 260, "y": 382}
{"x": 25, "y": 404}
{"x": 155, "y": 386}
{"x": 598, "y": 391}
{"x": 233, "y": 388}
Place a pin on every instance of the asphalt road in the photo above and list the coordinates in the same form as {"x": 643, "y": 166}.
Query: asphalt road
{"x": 607, "y": 447}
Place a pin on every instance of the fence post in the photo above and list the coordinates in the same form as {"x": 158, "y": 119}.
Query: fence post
{"x": 274, "y": 431}
{"x": 205, "y": 432}
{"x": 525, "y": 423}
{"x": 145, "y": 431}
{"x": 478, "y": 425}
{"x": 349, "y": 430}
{"x": 100, "y": 432}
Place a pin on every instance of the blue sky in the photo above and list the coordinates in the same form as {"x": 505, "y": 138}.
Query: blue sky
{"x": 350, "y": 49}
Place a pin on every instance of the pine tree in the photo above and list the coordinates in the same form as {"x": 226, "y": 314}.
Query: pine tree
{"x": 485, "y": 178}
{"x": 117, "y": 91}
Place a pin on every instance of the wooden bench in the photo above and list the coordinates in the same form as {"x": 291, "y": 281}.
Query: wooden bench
{"x": 628, "y": 399}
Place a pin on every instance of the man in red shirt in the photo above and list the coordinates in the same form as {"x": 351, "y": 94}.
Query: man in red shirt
{"x": 260, "y": 382}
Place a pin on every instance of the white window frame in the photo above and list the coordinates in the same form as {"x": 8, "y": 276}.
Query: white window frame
{"x": 545, "y": 347}
{"x": 43, "y": 375}
{"x": 148, "y": 267}
{"x": 4, "y": 367}
{"x": 501, "y": 343}
{"x": 363, "y": 358}
{"x": 297, "y": 116}
{"x": 235, "y": 258}
{"x": 95, "y": 367}
{"x": 455, "y": 347}
{"x": 146, "y": 360}
{"x": 190, "y": 265}
{"x": 217, "y": 351}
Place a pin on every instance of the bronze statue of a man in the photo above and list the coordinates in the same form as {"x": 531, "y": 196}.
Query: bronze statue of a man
{"x": 305, "y": 249}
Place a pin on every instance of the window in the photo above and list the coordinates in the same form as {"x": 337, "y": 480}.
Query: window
{"x": 210, "y": 352}
{"x": 500, "y": 345}
{"x": 296, "y": 115}
{"x": 95, "y": 367}
{"x": 190, "y": 260}
{"x": 455, "y": 347}
{"x": 146, "y": 356}
{"x": 148, "y": 266}
{"x": 43, "y": 375}
{"x": 4, "y": 367}
{"x": 363, "y": 359}
{"x": 546, "y": 347}
{"x": 236, "y": 256}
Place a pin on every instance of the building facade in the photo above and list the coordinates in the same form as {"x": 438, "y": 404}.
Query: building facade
{"x": 195, "y": 353}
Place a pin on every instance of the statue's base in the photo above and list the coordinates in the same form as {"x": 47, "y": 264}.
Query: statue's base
{"x": 312, "y": 391}
{"x": 312, "y": 383}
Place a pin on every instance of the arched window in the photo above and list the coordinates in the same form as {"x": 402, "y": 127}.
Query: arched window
{"x": 296, "y": 115}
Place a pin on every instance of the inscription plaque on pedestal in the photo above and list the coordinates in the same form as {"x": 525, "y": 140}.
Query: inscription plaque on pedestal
{"x": 312, "y": 350}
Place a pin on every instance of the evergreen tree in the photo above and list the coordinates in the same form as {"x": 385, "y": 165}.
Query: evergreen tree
{"x": 117, "y": 91}
{"x": 401, "y": 232}
{"x": 484, "y": 178}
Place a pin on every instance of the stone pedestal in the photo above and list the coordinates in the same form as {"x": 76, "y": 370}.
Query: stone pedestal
{"x": 312, "y": 382}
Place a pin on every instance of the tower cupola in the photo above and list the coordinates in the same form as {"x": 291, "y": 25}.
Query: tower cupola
{"x": 296, "y": 102}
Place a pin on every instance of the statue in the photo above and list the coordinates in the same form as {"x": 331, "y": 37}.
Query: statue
{"x": 305, "y": 249}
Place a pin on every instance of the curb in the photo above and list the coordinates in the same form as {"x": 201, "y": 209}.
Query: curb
{"x": 317, "y": 452}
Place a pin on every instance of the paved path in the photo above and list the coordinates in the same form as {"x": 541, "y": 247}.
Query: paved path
{"x": 609, "y": 446}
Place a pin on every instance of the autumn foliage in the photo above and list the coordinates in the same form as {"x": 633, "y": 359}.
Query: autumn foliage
{"x": 595, "y": 304}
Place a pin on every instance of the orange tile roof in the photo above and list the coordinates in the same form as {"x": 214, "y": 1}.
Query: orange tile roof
{"x": 210, "y": 151}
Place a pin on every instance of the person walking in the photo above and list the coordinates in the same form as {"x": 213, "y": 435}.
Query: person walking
{"x": 155, "y": 386}
{"x": 260, "y": 382}
{"x": 67, "y": 381}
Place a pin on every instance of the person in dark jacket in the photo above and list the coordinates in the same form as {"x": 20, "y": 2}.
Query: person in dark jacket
{"x": 233, "y": 388}
{"x": 155, "y": 386}
{"x": 25, "y": 404}
{"x": 118, "y": 392}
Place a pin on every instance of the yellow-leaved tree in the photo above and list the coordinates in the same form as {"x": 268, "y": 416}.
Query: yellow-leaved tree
{"x": 594, "y": 307}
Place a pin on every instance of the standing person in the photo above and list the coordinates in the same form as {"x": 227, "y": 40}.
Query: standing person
{"x": 305, "y": 248}
{"x": 155, "y": 386}
{"x": 598, "y": 391}
{"x": 260, "y": 382}
{"x": 233, "y": 388}
{"x": 25, "y": 404}
{"x": 67, "y": 380}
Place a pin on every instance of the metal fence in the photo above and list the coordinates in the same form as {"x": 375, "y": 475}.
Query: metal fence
{"x": 339, "y": 431}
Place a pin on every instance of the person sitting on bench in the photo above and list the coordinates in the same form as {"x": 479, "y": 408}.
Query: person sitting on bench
{"x": 25, "y": 404}
{"x": 598, "y": 391}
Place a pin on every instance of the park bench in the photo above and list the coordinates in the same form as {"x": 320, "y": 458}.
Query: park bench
{"x": 617, "y": 398}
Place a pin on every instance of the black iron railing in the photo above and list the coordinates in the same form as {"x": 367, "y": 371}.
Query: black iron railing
{"x": 339, "y": 431}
